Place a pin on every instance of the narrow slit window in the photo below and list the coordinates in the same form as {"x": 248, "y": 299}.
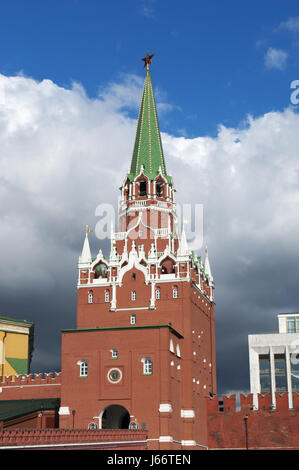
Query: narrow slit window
{"x": 175, "y": 293}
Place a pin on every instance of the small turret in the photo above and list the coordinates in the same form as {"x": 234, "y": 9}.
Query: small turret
{"x": 183, "y": 245}
{"x": 85, "y": 257}
{"x": 208, "y": 271}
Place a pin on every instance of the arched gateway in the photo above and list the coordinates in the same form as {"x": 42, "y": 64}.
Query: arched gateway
{"x": 115, "y": 417}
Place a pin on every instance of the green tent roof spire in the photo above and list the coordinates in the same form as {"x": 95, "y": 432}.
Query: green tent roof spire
{"x": 148, "y": 151}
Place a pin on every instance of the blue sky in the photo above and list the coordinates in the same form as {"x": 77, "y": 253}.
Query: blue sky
{"x": 65, "y": 149}
{"x": 210, "y": 57}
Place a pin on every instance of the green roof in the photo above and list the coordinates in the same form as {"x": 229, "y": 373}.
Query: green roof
{"x": 19, "y": 365}
{"x": 82, "y": 330}
{"x": 148, "y": 149}
{"x": 15, "y": 320}
{"x": 10, "y": 409}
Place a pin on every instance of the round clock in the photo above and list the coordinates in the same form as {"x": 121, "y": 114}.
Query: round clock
{"x": 114, "y": 375}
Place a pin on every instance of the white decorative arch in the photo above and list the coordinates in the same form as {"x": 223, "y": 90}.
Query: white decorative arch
{"x": 141, "y": 174}
{"x": 133, "y": 262}
{"x": 99, "y": 259}
{"x": 139, "y": 222}
{"x": 160, "y": 176}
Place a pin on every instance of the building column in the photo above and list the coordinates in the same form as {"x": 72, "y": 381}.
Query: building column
{"x": 152, "y": 300}
{"x": 165, "y": 406}
{"x": 273, "y": 384}
{"x": 254, "y": 372}
{"x": 113, "y": 300}
{"x": 289, "y": 377}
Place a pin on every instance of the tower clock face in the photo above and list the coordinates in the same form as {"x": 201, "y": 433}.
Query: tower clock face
{"x": 114, "y": 375}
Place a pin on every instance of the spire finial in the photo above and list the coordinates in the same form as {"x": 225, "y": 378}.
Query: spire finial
{"x": 147, "y": 60}
{"x": 88, "y": 229}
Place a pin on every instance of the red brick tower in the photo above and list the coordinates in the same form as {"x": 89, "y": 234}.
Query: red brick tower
{"x": 143, "y": 352}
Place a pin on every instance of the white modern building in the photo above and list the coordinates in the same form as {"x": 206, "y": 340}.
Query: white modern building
{"x": 274, "y": 360}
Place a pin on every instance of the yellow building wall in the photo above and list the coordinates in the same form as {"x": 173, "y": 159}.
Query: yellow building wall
{"x": 14, "y": 349}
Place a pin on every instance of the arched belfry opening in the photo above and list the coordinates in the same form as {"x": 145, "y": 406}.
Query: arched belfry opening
{"x": 159, "y": 188}
{"x": 142, "y": 188}
{"x": 168, "y": 266}
{"x": 115, "y": 417}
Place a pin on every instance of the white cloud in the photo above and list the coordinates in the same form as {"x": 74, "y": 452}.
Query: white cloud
{"x": 62, "y": 154}
{"x": 275, "y": 58}
{"x": 292, "y": 24}
{"x": 147, "y": 8}
{"x": 249, "y": 177}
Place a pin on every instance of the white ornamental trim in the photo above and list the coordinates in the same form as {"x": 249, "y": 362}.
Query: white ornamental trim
{"x": 165, "y": 439}
{"x": 188, "y": 443}
{"x": 187, "y": 414}
{"x": 64, "y": 410}
{"x": 165, "y": 408}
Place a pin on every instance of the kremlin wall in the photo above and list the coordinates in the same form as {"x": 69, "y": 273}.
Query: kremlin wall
{"x": 226, "y": 425}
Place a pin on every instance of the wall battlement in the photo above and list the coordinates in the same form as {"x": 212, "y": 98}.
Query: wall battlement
{"x": 24, "y": 387}
{"x": 235, "y": 403}
{"x": 72, "y": 438}
{"x": 31, "y": 379}
{"x": 234, "y": 423}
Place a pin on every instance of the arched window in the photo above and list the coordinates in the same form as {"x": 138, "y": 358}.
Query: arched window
{"x": 175, "y": 292}
{"x": 159, "y": 188}
{"x": 133, "y": 295}
{"x": 114, "y": 353}
{"x": 100, "y": 270}
{"x": 142, "y": 188}
{"x": 107, "y": 296}
{"x": 83, "y": 368}
{"x": 147, "y": 366}
{"x": 178, "y": 352}
{"x": 158, "y": 293}
{"x": 168, "y": 266}
{"x": 171, "y": 348}
{"x": 90, "y": 297}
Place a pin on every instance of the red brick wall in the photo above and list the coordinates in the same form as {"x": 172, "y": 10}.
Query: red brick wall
{"x": 266, "y": 428}
{"x": 24, "y": 387}
{"x": 37, "y": 419}
{"x": 75, "y": 438}
{"x": 140, "y": 395}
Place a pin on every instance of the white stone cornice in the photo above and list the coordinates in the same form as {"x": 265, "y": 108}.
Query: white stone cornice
{"x": 165, "y": 439}
{"x": 187, "y": 414}
{"x": 165, "y": 408}
{"x": 64, "y": 410}
{"x": 189, "y": 443}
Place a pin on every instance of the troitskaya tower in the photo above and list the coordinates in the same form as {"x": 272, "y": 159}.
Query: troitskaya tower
{"x": 143, "y": 352}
